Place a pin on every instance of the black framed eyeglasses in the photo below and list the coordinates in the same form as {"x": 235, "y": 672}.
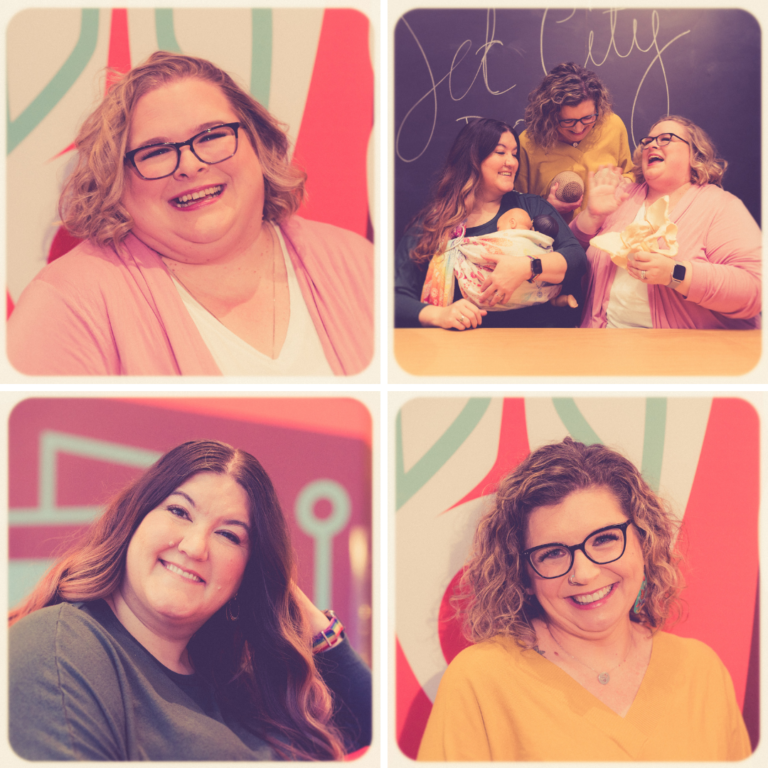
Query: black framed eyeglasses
{"x": 571, "y": 122}
{"x": 211, "y": 146}
{"x": 662, "y": 140}
{"x": 605, "y": 545}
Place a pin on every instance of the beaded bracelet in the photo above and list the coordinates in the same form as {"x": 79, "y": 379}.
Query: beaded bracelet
{"x": 331, "y": 636}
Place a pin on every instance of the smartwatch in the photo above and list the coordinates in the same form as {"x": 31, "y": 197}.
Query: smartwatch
{"x": 678, "y": 275}
{"x": 536, "y": 269}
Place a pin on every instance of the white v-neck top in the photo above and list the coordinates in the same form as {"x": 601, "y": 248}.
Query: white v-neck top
{"x": 628, "y": 305}
{"x": 301, "y": 354}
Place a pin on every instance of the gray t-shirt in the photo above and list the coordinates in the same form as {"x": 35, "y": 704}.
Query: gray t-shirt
{"x": 83, "y": 688}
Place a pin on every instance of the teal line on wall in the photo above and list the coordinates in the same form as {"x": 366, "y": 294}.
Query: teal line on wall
{"x": 408, "y": 483}
{"x": 574, "y": 421}
{"x": 261, "y": 54}
{"x": 653, "y": 440}
{"x": 60, "y": 83}
{"x": 166, "y": 37}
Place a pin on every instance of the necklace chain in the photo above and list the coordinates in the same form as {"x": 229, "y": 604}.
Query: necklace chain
{"x": 602, "y": 677}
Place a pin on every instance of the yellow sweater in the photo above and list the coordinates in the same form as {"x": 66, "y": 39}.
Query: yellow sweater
{"x": 605, "y": 144}
{"x": 497, "y": 701}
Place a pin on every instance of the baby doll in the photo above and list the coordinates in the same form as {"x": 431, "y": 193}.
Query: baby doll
{"x": 517, "y": 218}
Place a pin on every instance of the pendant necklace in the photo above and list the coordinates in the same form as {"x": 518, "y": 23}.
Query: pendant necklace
{"x": 602, "y": 677}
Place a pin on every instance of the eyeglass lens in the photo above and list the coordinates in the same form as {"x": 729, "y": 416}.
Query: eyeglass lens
{"x": 601, "y": 547}
{"x": 662, "y": 139}
{"x": 213, "y": 146}
{"x": 588, "y": 120}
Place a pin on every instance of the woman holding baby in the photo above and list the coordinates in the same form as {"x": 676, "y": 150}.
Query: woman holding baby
{"x": 474, "y": 190}
{"x": 705, "y": 272}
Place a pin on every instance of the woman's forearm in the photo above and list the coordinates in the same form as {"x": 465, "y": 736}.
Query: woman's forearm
{"x": 554, "y": 266}
{"x": 589, "y": 223}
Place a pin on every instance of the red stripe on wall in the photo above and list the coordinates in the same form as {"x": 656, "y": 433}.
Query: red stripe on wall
{"x": 41, "y": 541}
{"x": 413, "y": 706}
{"x": 720, "y": 538}
{"x": 332, "y": 143}
{"x": 513, "y": 448}
{"x": 119, "y": 57}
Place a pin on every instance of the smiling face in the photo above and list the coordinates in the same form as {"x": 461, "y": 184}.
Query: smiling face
{"x": 499, "y": 168}
{"x": 668, "y": 168}
{"x": 578, "y": 131}
{"x": 603, "y": 595}
{"x": 188, "y": 555}
{"x": 227, "y": 217}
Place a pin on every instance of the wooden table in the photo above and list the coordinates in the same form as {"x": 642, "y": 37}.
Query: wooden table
{"x": 576, "y": 352}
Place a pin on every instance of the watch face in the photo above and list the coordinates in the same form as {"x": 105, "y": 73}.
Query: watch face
{"x": 536, "y": 267}
{"x": 678, "y": 273}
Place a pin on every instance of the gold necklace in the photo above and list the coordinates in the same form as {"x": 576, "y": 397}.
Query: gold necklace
{"x": 602, "y": 677}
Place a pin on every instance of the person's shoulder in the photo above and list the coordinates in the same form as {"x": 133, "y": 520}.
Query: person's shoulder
{"x": 614, "y": 121}
{"x": 309, "y": 233}
{"x": 87, "y": 264}
{"x": 70, "y": 625}
{"x": 686, "y": 651}
{"x": 486, "y": 656}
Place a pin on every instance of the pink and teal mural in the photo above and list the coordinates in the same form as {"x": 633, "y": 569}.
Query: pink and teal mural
{"x": 67, "y": 457}
{"x": 701, "y": 455}
{"x": 311, "y": 67}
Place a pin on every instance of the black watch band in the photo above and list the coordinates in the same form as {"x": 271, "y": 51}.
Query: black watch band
{"x": 536, "y": 269}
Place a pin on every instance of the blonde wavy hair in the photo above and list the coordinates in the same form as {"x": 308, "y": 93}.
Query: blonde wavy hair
{"x": 567, "y": 85}
{"x": 90, "y": 204}
{"x": 493, "y": 597}
{"x": 706, "y": 166}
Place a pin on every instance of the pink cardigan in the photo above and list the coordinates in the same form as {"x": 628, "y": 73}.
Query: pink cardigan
{"x": 93, "y": 312}
{"x": 717, "y": 232}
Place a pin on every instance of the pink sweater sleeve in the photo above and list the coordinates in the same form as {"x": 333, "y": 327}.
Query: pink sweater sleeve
{"x": 727, "y": 270}
{"x": 54, "y": 332}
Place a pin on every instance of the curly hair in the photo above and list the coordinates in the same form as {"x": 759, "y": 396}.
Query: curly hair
{"x": 90, "y": 204}
{"x": 567, "y": 85}
{"x": 285, "y": 701}
{"x": 493, "y": 599}
{"x": 457, "y": 183}
{"x": 706, "y": 166}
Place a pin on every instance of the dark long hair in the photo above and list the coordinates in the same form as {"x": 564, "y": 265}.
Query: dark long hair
{"x": 457, "y": 184}
{"x": 261, "y": 666}
{"x": 494, "y": 599}
{"x": 567, "y": 85}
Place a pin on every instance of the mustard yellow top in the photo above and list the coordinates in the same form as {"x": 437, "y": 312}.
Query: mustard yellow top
{"x": 605, "y": 144}
{"x": 497, "y": 701}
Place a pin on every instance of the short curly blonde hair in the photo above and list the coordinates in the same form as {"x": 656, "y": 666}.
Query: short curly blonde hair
{"x": 706, "y": 166}
{"x": 90, "y": 204}
{"x": 567, "y": 85}
{"x": 493, "y": 599}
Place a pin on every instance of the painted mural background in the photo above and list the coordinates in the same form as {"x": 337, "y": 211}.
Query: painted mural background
{"x": 68, "y": 457}
{"x": 701, "y": 454}
{"x": 310, "y": 67}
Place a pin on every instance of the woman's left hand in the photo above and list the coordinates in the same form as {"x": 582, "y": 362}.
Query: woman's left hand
{"x": 508, "y": 275}
{"x": 651, "y": 268}
{"x": 316, "y": 620}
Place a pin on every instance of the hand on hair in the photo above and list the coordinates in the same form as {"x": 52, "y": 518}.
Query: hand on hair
{"x": 315, "y": 619}
{"x": 559, "y": 205}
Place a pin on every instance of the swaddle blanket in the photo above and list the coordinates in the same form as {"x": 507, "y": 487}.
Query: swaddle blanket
{"x": 642, "y": 235}
{"x": 465, "y": 260}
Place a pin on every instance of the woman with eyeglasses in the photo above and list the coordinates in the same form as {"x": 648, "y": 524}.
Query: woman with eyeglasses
{"x": 714, "y": 280}
{"x": 571, "y": 579}
{"x": 193, "y": 261}
{"x": 472, "y": 192}
{"x": 569, "y": 127}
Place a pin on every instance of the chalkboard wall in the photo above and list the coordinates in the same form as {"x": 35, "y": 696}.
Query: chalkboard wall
{"x": 451, "y": 65}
